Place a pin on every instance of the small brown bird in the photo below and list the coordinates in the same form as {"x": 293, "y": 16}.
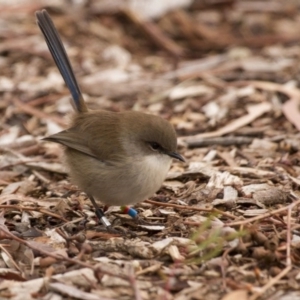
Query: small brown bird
{"x": 118, "y": 158}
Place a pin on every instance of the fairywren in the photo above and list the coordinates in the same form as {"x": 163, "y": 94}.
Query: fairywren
{"x": 119, "y": 158}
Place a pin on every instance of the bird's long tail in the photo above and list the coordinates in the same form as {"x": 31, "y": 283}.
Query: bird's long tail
{"x": 60, "y": 57}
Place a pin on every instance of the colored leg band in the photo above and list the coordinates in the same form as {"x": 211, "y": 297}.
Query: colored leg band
{"x": 130, "y": 211}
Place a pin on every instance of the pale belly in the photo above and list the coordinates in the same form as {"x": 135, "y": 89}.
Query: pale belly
{"x": 122, "y": 184}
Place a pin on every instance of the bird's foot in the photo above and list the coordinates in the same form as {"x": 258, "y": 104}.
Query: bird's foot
{"x": 121, "y": 231}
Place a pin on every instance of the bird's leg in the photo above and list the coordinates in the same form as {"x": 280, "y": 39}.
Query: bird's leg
{"x": 100, "y": 215}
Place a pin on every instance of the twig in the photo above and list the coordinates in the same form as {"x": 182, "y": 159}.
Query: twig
{"x": 288, "y": 236}
{"x": 133, "y": 283}
{"x": 157, "y": 36}
{"x": 41, "y": 210}
{"x": 41, "y": 100}
{"x": 199, "y": 32}
{"x": 210, "y": 210}
{"x": 288, "y": 267}
{"x": 223, "y": 141}
{"x": 11, "y": 258}
{"x": 20, "y": 162}
{"x": 290, "y": 107}
{"x": 262, "y": 216}
{"x": 254, "y": 112}
{"x": 271, "y": 282}
{"x": 38, "y": 113}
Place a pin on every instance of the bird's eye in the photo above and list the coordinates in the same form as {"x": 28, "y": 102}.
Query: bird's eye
{"x": 154, "y": 146}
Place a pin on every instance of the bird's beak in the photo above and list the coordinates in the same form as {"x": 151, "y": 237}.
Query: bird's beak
{"x": 176, "y": 156}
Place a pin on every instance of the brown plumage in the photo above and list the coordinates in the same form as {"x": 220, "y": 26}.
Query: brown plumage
{"x": 119, "y": 158}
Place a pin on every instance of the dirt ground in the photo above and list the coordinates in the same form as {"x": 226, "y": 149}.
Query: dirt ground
{"x": 225, "y": 224}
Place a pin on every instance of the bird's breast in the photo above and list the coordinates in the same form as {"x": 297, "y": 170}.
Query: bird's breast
{"x": 128, "y": 182}
{"x": 153, "y": 170}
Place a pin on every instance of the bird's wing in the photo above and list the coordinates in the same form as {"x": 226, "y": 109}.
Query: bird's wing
{"x": 72, "y": 140}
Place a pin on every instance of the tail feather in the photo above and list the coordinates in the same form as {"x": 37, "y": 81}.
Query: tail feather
{"x": 60, "y": 57}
